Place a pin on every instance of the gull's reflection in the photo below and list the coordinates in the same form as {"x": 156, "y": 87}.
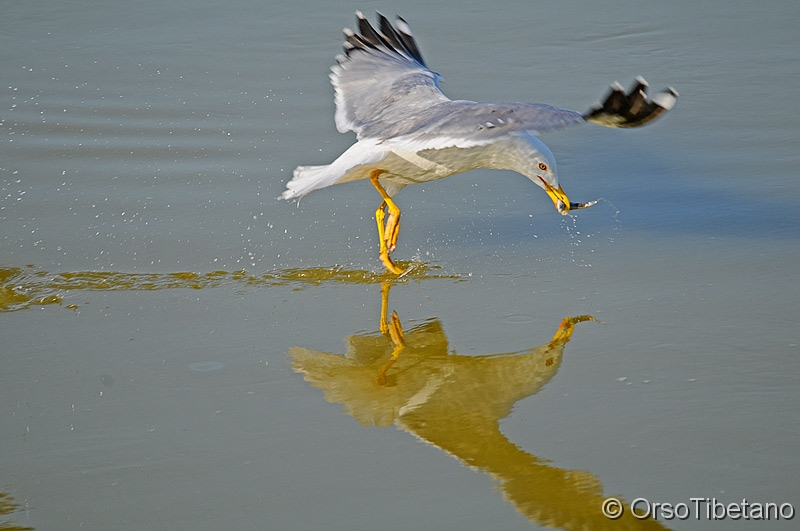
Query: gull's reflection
{"x": 410, "y": 379}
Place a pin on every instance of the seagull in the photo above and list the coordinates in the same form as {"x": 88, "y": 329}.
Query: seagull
{"x": 409, "y": 132}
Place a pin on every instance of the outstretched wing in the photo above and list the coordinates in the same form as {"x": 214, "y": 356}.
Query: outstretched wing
{"x": 382, "y": 78}
{"x": 618, "y": 109}
{"x": 385, "y": 91}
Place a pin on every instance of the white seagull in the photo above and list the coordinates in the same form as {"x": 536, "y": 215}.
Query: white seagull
{"x": 409, "y": 132}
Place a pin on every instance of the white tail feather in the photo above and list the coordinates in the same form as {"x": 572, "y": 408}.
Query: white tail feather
{"x": 307, "y": 179}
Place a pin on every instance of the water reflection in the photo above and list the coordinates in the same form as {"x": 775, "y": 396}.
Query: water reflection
{"x": 409, "y": 378}
{"x": 8, "y": 506}
{"x": 394, "y": 376}
{"x": 22, "y": 288}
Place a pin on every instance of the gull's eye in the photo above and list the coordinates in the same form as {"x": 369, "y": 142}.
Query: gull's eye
{"x": 543, "y": 166}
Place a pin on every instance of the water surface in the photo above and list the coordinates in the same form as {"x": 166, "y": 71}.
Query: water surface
{"x": 165, "y": 321}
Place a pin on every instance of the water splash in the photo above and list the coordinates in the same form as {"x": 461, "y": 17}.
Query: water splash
{"x": 583, "y": 241}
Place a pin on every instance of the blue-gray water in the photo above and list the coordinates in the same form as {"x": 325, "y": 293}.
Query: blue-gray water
{"x": 174, "y": 338}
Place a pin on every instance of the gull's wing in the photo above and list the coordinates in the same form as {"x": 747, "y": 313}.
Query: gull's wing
{"x": 470, "y": 120}
{"x": 382, "y": 79}
{"x": 384, "y": 91}
{"x": 467, "y": 123}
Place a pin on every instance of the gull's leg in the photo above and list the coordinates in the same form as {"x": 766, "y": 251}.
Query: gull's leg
{"x": 388, "y": 231}
{"x": 392, "y": 230}
{"x": 384, "y": 251}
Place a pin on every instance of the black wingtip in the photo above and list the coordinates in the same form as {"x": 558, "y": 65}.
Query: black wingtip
{"x": 395, "y": 38}
{"x": 632, "y": 108}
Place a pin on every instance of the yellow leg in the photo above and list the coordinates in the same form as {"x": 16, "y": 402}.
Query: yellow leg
{"x": 388, "y": 229}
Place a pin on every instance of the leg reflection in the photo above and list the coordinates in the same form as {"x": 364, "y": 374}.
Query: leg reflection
{"x": 391, "y": 328}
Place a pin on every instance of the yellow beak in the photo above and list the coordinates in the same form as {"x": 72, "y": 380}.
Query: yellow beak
{"x": 560, "y": 199}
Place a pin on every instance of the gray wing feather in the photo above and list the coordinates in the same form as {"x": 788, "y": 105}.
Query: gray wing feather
{"x": 469, "y": 123}
{"x": 381, "y": 80}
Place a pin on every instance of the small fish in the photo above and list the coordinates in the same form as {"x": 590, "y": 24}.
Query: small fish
{"x": 574, "y": 206}
{"x": 578, "y": 206}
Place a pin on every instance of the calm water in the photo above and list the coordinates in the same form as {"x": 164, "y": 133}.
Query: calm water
{"x": 183, "y": 351}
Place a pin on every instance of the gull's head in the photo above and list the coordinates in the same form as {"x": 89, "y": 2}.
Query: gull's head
{"x": 546, "y": 176}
